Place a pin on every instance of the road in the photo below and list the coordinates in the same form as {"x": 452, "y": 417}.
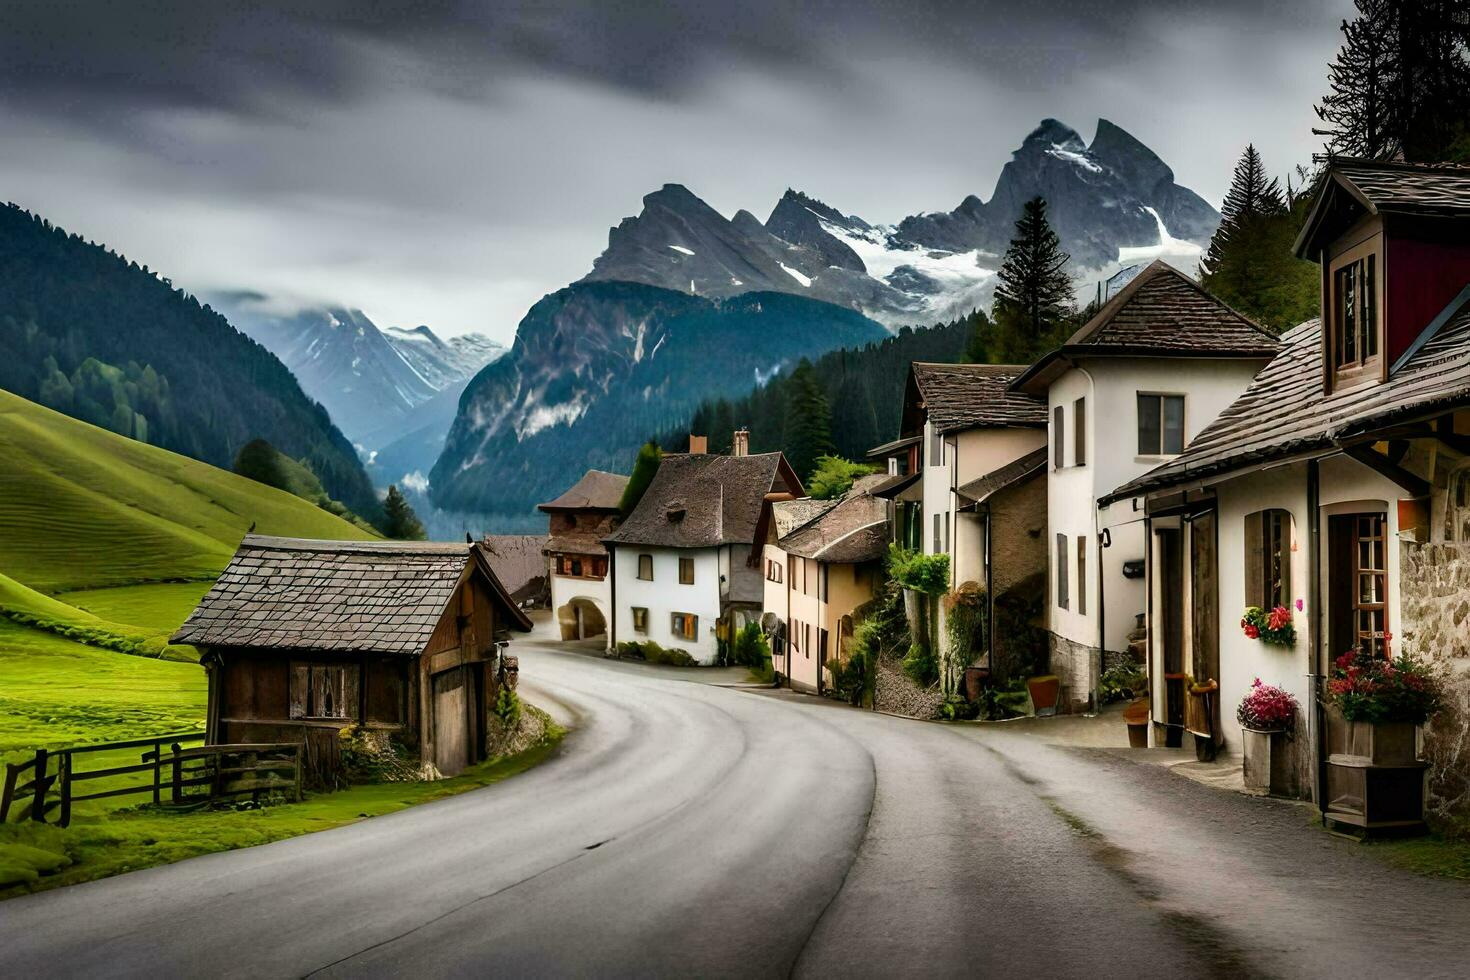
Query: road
{"x": 687, "y": 829}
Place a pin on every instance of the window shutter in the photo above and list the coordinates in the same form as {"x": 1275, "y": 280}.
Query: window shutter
{"x": 1255, "y": 558}
{"x": 300, "y": 683}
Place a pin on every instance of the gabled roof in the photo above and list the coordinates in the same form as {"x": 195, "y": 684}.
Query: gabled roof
{"x": 1351, "y": 188}
{"x": 1285, "y": 414}
{"x": 1015, "y": 472}
{"x": 345, "y": 596}
{"x": 890, "y": 448}
{"x": 519, "y": 561}
{"x": 702, "y": 501}
{"x": 969, "y": 396}
{"x": 596, "y": 490}
{"x": 788, "y": 515}
{"x": 1161, "y": 313}
{"x": 854, "y": 530}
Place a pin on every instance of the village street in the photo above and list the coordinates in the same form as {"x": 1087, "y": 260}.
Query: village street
{"x": 691, "y": 829}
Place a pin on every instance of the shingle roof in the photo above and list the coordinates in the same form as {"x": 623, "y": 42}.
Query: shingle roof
{"x": 519, "y": 561}
{"x": 1161, "y": 313}
{"x": 596, "y": 490}
{"x": 967, "y": 396}
{"x": 702, "y": 501}
{"x": 349, "y": 596}
{"x": 1352, "y": 187}
{"x": 854, "y": 530}
{"x": 1284, "y": 413}
{"x": 1016, "y": 471}
{"x": 792, "y": 514}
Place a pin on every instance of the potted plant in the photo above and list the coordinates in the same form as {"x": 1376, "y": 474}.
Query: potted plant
{"x": 1274, "y": 627}
{"x": 1375, "y": 779}
{"x": 1268, "y": 715}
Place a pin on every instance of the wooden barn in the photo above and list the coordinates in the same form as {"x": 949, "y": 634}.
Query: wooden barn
{"x": 304, "y": 638}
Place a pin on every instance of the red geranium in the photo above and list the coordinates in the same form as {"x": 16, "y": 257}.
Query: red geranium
{"x": 1274, "y": 627}
{"x": 1369, "y": 688}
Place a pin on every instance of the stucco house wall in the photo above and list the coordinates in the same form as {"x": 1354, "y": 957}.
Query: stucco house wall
{"x": 664, "y": 596}
{"x": 566, "y": 588}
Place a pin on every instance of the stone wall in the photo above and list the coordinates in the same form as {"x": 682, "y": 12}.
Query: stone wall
{"x": 1435, "y": 598}
{"x": 1075, "y": 666}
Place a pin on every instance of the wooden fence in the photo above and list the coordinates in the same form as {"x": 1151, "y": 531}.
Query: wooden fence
{"x": 51, "y": 780}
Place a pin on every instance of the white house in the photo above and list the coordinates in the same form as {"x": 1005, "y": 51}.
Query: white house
{"x": 581, "y": 586}
{"x": 1337, "y": 486}
{"x": 683, "y": 574}
{"x": 1129, "y": 390}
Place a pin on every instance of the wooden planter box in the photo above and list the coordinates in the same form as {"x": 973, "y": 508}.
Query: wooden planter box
{"x": 1375, "y": 781}
{"x": 1270, "y": 763}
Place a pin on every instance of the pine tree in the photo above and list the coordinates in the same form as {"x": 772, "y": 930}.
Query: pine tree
{"x": 399, "y": 520}
{"x": 808, "y": 421}
{"x": 1252, "y": 196}
{"x": 1033, "y": 293}
{"x": 644, "y": 469}
{"x": 1358, "y": 110}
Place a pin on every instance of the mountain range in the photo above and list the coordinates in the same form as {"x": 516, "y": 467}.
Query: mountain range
{"x": 375, "y": 382}
{"x": 593, "y": 358}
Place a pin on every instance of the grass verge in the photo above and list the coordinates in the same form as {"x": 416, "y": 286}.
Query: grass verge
{"x": 35, "y": 857}
{"x": 1433, "y": 855}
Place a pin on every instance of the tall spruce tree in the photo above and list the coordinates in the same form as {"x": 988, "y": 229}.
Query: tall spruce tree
{"x": 399, "y": 520}
{"x": 808, "y": 421}
{"x": 644, "y": 469}
{"x": 1033, "y": 292}
{"x": 1400, "y": 84}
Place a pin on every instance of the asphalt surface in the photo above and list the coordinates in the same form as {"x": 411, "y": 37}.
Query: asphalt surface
{"x": 686, "y": 829}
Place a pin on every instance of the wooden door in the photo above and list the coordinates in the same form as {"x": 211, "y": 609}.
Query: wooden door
{"x": 1171, "y": 622}
{"x": 1205, "y": 599}
{"x": 1357, "y": 584}
{"x": 451, "y": 721}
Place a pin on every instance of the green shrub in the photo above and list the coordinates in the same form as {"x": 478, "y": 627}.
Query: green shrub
{"x": 1123, "y": 682}
{"x": 834, "y": 476}
{"x": 928, "y": 574}
{"x": 920, "y": 665}
{"x": 508, "y": 707}
{"x": 956, "y": 708}
{"x": 750, "y": 648}
{"x": 651, "y": 652}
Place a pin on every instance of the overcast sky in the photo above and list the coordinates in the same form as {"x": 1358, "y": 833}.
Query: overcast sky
{"x": 449, "y": 163}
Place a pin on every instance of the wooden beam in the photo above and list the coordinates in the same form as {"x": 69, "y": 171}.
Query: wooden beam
{"x": 1387, "y": 468}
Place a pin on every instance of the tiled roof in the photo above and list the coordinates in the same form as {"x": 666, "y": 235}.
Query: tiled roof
{"x": 854, "y": 530}
{"x": 702, "y": 501}
{"x": 967, "y": 396}
{"x": 1016, "y": 471}
{"x": 596, "y": 490}
{"x": 1284, "y": 413}
{"x": 1161, "y": 313}
{"x": 347, "y": 596}
{"x": 575, "y": 543}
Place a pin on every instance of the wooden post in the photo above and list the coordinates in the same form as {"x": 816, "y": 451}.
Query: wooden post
{"x": 178, "y": 794}
{"x": 11, "y": 772}
{"x": 38, "y": 806}
{"x": 157, "y": 772}
{"x": 297, "y": 755}
{"x": 64, "y": 771}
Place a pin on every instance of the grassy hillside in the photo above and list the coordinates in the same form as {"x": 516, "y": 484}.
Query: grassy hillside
{"x": 85, "y": 508}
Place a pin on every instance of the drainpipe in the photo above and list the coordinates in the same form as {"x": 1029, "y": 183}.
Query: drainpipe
{"x": 990, "y": 589}
{"x": 1102, "y": 615}
{"x": 1314, "y": 598}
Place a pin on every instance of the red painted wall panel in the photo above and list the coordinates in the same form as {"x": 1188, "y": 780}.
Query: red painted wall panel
{"x": 1422, "y": 278}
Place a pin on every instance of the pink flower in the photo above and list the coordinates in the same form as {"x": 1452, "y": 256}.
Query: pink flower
{"x": 1252, "y": 632}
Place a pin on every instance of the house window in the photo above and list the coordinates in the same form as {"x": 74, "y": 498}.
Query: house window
{"x": 1160, "y": 425}
{"x": 822, "y": 583}
{"x": 796, "y": 635}
{"x": 938, "y": 533}
{"x": 773, "y": 570}
{"x": 821, "y": 646}
{"x": 577, "y": 567}
{"x": 599, "y": 567}
{"x": 686, "y": 571}
{"x": 936, "y": 447}
{"x": 1058, "y": 437}
{"x": 1268, "y": 558}
{"x": 1355, "y": 312}
{"x": 1062, "y": 577}
{"x": 323, "y": 690}
{"x": 807, "y": 639}
{"x": 640, "y": 619}
{"x": 1370, "y": 609}
{"x": 1079, "y": 432}
{"x": 645, "y": 567}
{"x": 1457, "y": 507}
{"x": 1082, "y": 574}
{"x": 684, "y": 625}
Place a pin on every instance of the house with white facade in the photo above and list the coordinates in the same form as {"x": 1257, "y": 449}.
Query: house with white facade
{"x": 577, "y": 561}
{"x": 823, "y": 561}
{"x": 1129, "y": 390}
{"x": 683, "y": 572}
{"x": 1336, "y": 487}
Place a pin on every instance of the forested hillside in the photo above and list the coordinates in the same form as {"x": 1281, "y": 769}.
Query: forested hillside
{"x": 859, "y": 389}
{"x": 90, "y": 334}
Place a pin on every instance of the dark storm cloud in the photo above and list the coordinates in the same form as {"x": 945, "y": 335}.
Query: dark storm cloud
{"x": 95, "y": 56}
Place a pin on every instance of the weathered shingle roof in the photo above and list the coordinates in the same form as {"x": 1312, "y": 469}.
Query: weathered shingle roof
{"x": 347, "y": 596}
{"x": 788, "y": 515}
{"x": 854, "y": 530}
{"x": 702, "y": 501}
{"x": 1351, "y": 188}
{"x": 1016, "y": 471}
{"x": 967, "y": 396}
{"x": 1161, "y": 313}
{"x": 596, "y": 490}
{"x": 1284, "y": 413}
{"x": 519, "y": 561}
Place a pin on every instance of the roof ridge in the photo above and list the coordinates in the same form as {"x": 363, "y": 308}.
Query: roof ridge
{"x": 843, "y": 537}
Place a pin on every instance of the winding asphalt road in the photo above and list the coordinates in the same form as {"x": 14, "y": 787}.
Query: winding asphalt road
{"x": 687, "y": 829}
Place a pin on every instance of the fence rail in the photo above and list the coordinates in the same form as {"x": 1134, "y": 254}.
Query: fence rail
{"x": 51, "y": 779}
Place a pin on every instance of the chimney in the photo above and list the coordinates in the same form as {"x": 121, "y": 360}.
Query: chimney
{"x": 741, "y": 445}
{"x": 698, "y": 445}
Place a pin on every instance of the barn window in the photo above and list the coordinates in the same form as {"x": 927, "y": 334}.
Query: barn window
{"x": 640, "y": 619}
{"x": 324, "y": 690}
{"x": 686, "y": 571}
{"x": 1457, "y": 505}
{"x": 684, "y": 625}
{"x": 645, "y": 567}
